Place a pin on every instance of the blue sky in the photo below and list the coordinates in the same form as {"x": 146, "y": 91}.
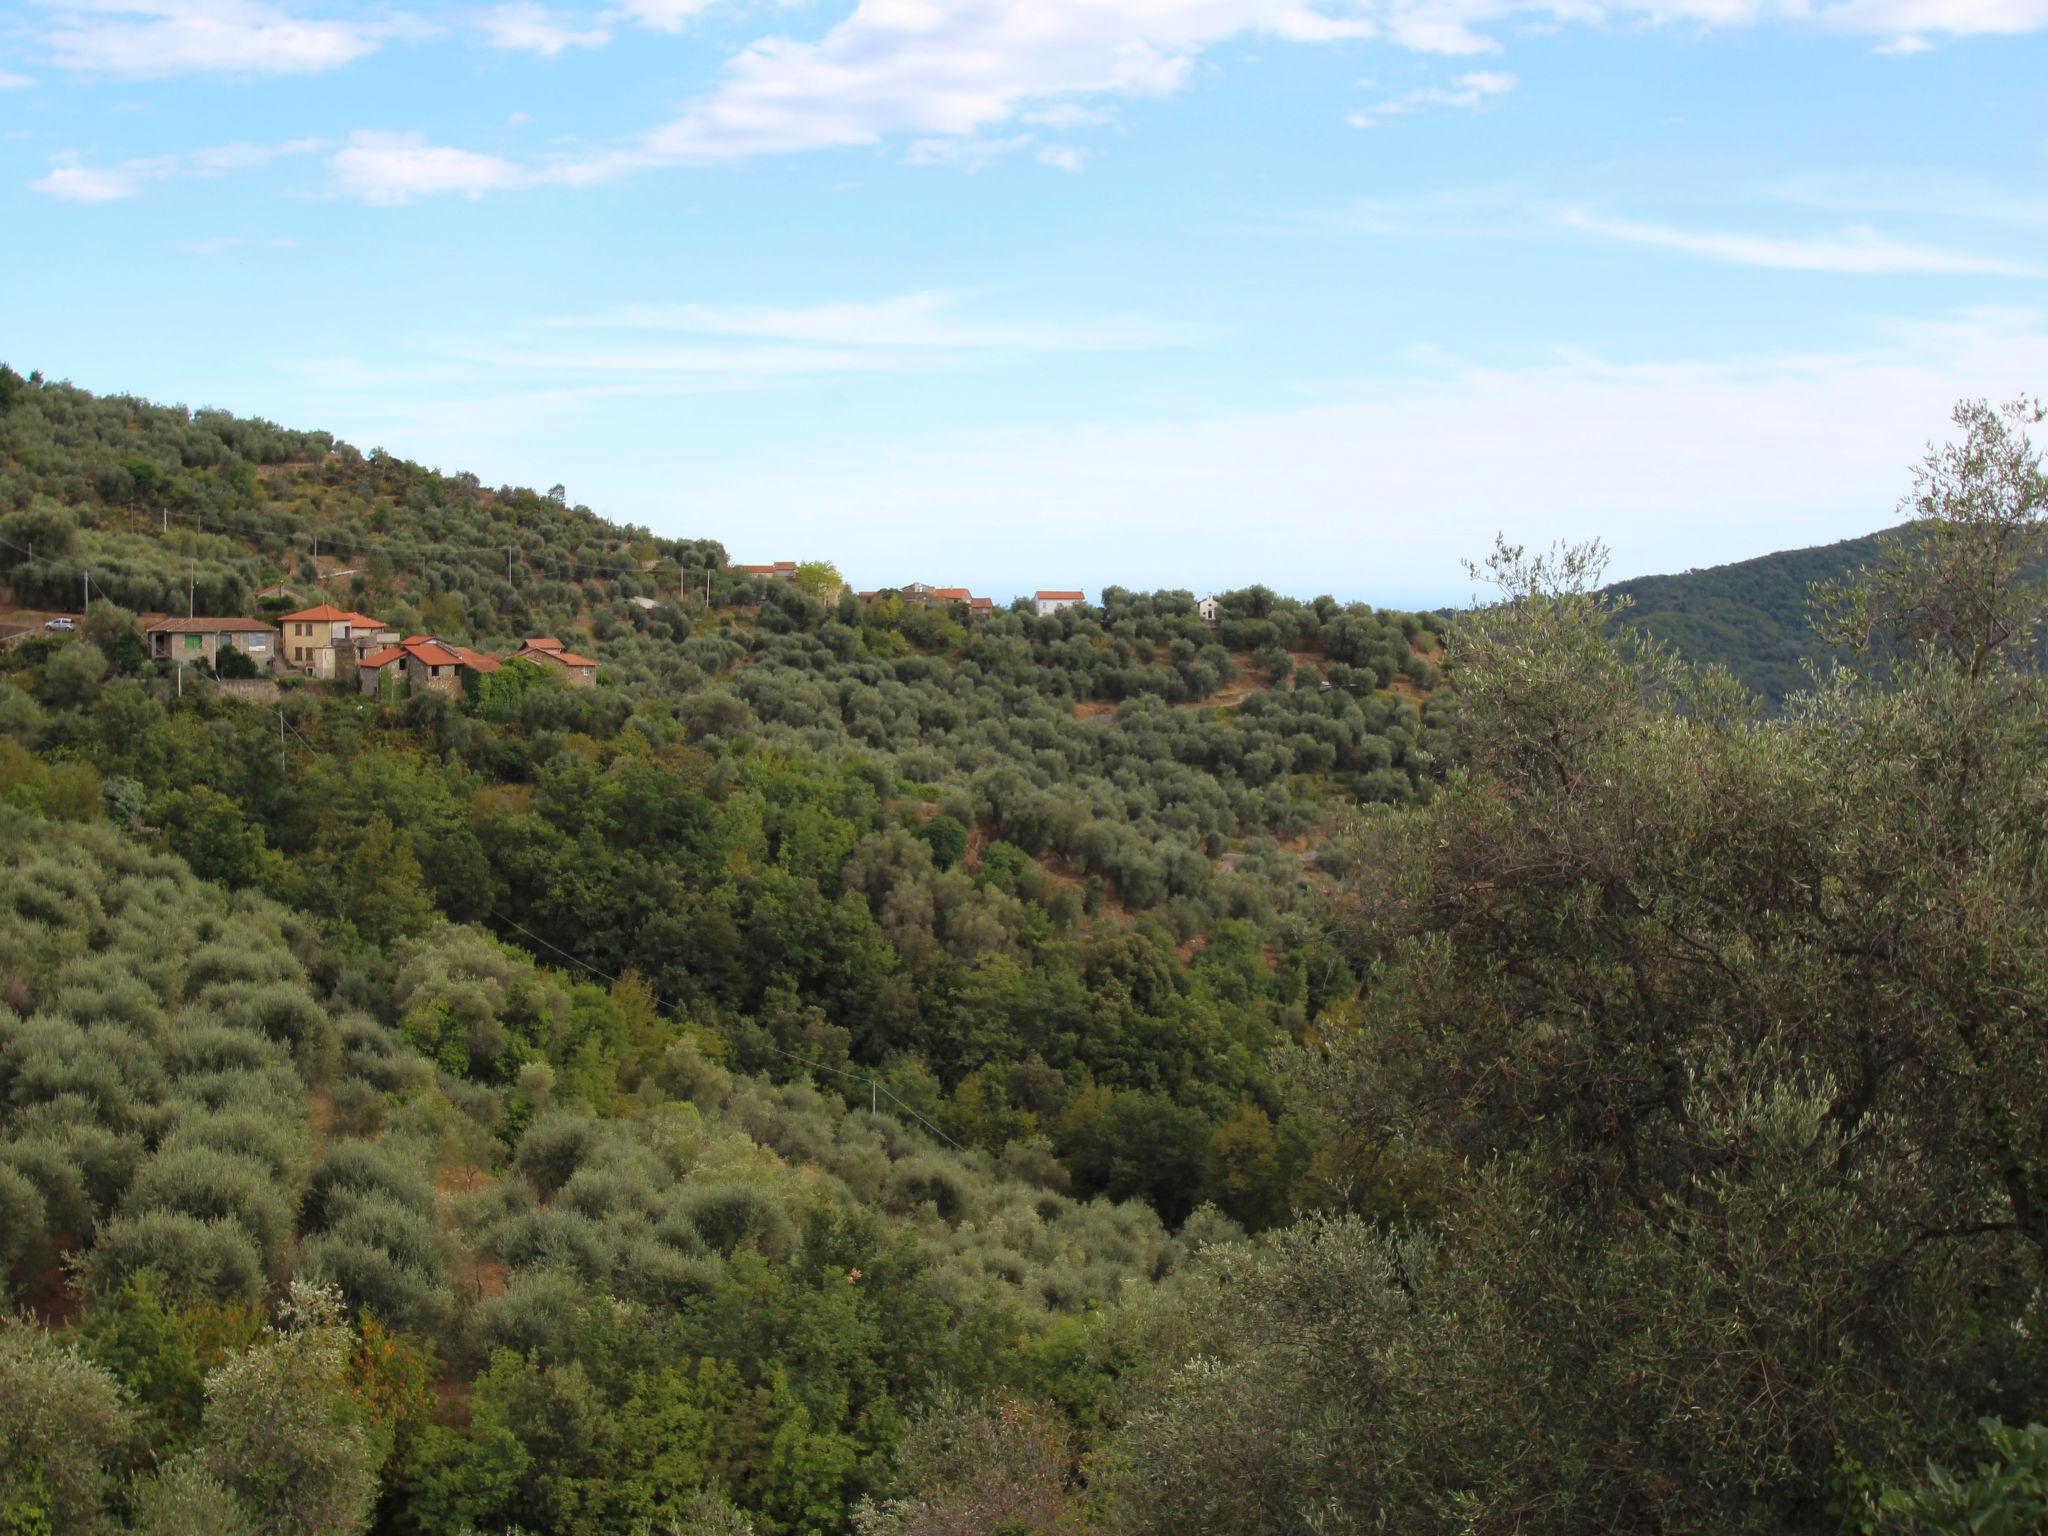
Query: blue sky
{"x": 1020, "y": 293}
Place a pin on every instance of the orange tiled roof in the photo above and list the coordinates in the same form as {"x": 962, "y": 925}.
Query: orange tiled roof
{"x": 326, "y": 613}
{"x": 1060, "y": 596}
{"x": 953, "y": 594}
{"x": 382, "y": 658}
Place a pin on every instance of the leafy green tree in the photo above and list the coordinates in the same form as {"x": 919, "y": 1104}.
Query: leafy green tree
{"x": 2006, "y": 1496}
{"x": 282, "y": 1432}
{"x": 62, "y": 1424}
{"x": 819, "y": 579}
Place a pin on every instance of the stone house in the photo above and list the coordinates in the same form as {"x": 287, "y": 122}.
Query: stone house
{"x": 201, "y": 640}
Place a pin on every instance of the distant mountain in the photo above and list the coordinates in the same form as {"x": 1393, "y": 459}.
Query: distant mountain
{"x": 1750, "y": 617}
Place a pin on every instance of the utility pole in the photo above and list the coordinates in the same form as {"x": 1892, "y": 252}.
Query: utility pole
{"x": 280, "y": 741}
{"x": 191, "y": 590}
{"x": 85, "y": 601}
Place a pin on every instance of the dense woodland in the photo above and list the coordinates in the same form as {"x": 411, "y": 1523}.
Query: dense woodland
{"x": 863, "y": 1067}
{"x": 1754, "y": 617}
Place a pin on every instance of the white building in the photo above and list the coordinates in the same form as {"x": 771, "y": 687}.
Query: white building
{"x": 1210, "y": 608}
{"x": 1053, "y": 602}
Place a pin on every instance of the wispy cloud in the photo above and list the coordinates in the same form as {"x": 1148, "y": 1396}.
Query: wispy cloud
{"x": 525, "y": 26}
{"x": 1804, "y": 448}
{"x": 153, "y": 39}
{"x": 1904, "y": 47}
{"x": 925, "y": 70}
{"x": 74, "y": 180}
{"x": 1859, "y": 251}
{"x": 1467, "y": 92}
{"x": 1914, "y": 193}
{"x": 393, "y": 168}
{"x": 925, "y": 321}
{"x": 665, "y": 15}
{"x": 13, "y": 82}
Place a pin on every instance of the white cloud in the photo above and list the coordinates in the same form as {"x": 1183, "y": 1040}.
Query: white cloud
{"x": 527, "y": 27}
{"x": 1066, "y": 157}
{"x": 71, "y": 180}
{"x": 398, "y": 167}
{"x": 925, "y": 68}
{"x": 1380, "y": 493}
{"x": 1904, "y": 47}
{"x": 89, "y": 184}
{"x": 964, "y": 154}
{"x": 927, "y": 321}
{"x": 12, "y": 82}
{"x": 152, "y": 39}
{"x": 1466, "y": 92}
{"x": 664, "y": 15}
{"x": 1859, "y": 251}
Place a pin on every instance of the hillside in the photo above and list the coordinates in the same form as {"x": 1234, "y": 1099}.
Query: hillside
{"x": 868, "y": 1066}
{"x": 1750, "y": 617}
{"x": 950, "y": 946}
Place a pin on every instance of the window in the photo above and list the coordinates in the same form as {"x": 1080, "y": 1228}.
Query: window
{"x": 191, "y": 642}
{"x": 259, "y": 643}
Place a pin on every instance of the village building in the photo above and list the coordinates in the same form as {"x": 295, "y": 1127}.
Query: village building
{"x": 324, "y": 640}
{"x": 423, "y": 664}
{"x": 1053, "y": 602}
{"x": 1210, "y": 608}
{"x": 781, "y": 570}
{"x": 202, "y": 640}
{"x": 547, "y": 651}
{"x": 643, "y": 602}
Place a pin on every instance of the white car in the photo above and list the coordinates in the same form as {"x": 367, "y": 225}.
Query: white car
{"x": 60, "y": 624}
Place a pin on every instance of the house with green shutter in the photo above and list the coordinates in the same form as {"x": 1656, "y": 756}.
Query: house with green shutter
{"x": 201, "y": 640}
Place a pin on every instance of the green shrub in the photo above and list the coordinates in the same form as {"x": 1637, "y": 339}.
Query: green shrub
{"x": 352, "y": 1170}
{"x": 62, "y": 1422}
{"x": 730, "y": 1215}
{"x": 197, "y": 1259}
{"x": 214, "y": 1185}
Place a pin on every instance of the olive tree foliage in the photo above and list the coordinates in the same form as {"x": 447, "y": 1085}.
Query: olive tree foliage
{"x": 283, "y": 1434}
{"x": 61, "y": 1418}
{"x": 1705, "y": 1054}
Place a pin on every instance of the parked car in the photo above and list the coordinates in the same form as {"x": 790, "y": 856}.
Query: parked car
{"x": 64, "y": 624}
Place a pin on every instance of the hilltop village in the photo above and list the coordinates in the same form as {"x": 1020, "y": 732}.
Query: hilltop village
{"x": 327, "y": 643}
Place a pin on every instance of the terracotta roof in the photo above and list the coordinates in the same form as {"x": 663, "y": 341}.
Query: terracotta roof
{"x": 204, "y": 626}
{"x": 542, "y": 643}
{"x": 431, "y": 653}
{"x": 326, "y": 613}
{"x": 767, "y": 570}
{"x": 534, "y": 652}
{"x": 382, "y": 658}
{"x": 475, "y": 659}
{"x": 363, "y": 621}
{"x": 953, "y": 594}
{"x": 981, "y": 602}
{"x": 1058, "y": 596}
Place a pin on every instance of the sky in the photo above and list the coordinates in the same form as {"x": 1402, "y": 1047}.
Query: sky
{"x": 1013, "y": 294}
